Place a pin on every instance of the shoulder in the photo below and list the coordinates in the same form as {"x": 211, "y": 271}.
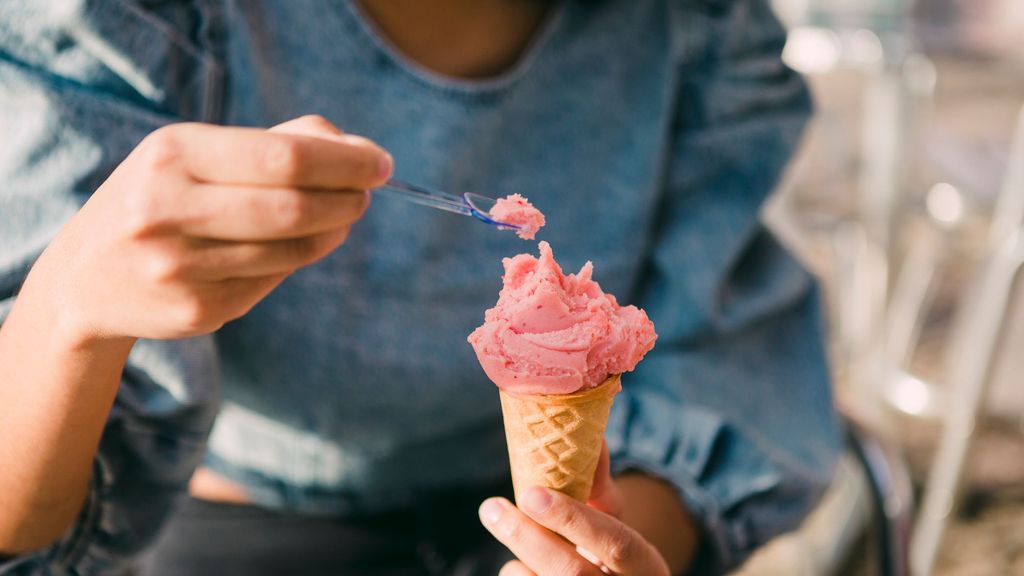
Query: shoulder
{"x": 152, "y": 52}
{"x": 718, "y": 27}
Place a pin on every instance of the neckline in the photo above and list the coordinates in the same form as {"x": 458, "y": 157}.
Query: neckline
{"x": 535, "y": 48}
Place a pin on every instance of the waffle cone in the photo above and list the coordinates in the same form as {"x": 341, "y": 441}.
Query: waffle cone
{"x": 555, "y": 440}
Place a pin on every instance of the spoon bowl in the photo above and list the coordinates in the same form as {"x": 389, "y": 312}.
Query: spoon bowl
{"x": 481, "y": 209}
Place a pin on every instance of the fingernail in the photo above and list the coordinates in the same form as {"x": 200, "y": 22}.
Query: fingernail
{"x": 491, "y": 511}
{"x": 536, "y": 500}
{"x": 385, "y": 165}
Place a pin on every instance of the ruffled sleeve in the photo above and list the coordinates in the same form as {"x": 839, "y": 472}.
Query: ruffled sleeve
{"x": 81, "y": 83}
{"x": 733, "y": 405}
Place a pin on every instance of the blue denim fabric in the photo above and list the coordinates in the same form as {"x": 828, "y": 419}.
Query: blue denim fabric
{"x": 650, "y": 133}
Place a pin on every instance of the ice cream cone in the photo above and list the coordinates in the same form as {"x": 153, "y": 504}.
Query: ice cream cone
{"x": 555, "y": 440}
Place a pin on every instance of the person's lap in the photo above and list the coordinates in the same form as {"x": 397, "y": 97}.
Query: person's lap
{"x": 443, "y": 536}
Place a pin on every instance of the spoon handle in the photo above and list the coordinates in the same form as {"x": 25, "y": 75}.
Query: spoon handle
{"x": 426, "y": 196}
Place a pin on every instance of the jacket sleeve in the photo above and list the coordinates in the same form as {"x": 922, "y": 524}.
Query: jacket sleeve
{"x": 81, "y": 83}
{"x": 733, "y": 405}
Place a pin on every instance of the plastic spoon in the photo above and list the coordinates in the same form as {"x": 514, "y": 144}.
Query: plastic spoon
{"x": 468, "y": 204}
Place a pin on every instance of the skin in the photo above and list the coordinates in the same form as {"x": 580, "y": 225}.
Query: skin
{"x": 199, "y": 224}
{"x": 633, "y": 524}
{"x": 194, "y": 228}
{"x": 479, "y": 38}
{"x": 459, "y": 38}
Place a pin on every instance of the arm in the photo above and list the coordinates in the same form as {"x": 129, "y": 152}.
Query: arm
{"x": 56, "y": 389}
{"x": 654, "y": 509}
{"x": 215, "y": 222}
{"x": 733, "y": 407}
{"x": 192, "y": 228}
{"x": 726, "y": 429}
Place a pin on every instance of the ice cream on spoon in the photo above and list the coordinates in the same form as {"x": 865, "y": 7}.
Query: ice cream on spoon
{"x": 516, "y": 210}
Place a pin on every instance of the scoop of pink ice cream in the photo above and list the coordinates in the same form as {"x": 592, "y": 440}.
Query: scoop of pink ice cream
{"x": 516, "y": 210}
{"x": 552, "y": 333}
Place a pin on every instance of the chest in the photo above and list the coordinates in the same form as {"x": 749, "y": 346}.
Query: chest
{"x": 578, "y": 126}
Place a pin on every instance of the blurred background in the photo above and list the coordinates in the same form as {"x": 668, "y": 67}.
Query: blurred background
{"x": 907, "y": 199}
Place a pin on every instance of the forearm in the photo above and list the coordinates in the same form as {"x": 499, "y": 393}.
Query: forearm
{"x": 56, "y": 389}
{"x": 653, "y": 508}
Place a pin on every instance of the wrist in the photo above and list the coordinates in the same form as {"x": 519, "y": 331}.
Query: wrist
{"x": 48, "y": 299}
{"x": 653, "y": 507}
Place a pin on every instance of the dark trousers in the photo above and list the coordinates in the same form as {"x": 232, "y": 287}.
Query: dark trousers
{"x": 442, "y": 536}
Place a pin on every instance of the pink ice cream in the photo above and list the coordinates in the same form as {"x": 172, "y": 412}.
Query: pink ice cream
{"x": 552, "y": 333}
{"x": 516, "y": 210}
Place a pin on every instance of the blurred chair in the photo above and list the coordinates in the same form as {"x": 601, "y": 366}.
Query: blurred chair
{"x": 976, "y": 341}
{"x": 898, "y": 82}
{"x": 879, "y": 308}
{"x": 861, "y": 523}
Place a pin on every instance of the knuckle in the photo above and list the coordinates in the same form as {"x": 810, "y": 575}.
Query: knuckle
{"x": 622, "y": 546}
{"x": 351, "y": 206}
{"x": 304, "y": 250}
{"x": 164, "y": 264}
{"x": 142, "y": 213}
{"x": 160, "y": 149}
{"x": 514, "y": 529}
{"x": 235, "y": 306}
{"x": 320, "y": 247}
{"x": 317, "y": 122}
{"x": 242, "y": 307}
{"x": 567, "y": 516}
{"x": 357, "y": 141}
{"x": 145, "y": 201}
{"x": 364, "y": 159}
{"x": 325, "y": 243}
{"x": 282, "y": 158}
{"x": 292, "y": 209}
{"x": 192, "y": 314}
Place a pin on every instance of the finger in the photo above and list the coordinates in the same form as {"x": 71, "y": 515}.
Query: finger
{"x": 260, "y": 214}
{"x": 617, "y": 545}
{"x": 540, "y": 550}
{"x": 515, "y": 568}
{"x": 231, "y": 155}
{"x": 605, "y": 495}
{"x": 215, "y": 303}
{"x": 239, "y": 295}
{"x": 310, "y": 125}
{"x": 593, "y": 559}
{"x": 219, "y": 260}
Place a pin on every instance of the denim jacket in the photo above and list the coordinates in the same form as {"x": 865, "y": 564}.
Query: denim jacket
{"x": 649, "y": 132}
